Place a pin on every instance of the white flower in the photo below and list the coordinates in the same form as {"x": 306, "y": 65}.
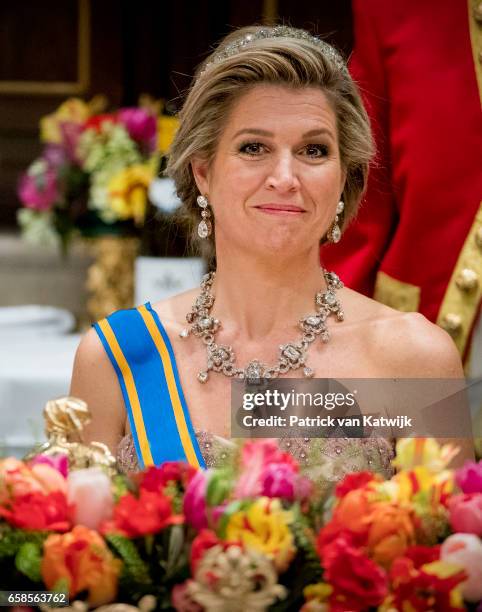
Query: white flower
{"x": 37, "y": 227}
{"x": 244, "y": 580}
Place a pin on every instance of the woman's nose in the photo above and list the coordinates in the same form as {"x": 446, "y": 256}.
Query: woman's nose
{"x": 282, "y": 175}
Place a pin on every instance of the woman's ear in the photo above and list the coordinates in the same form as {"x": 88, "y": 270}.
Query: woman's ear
{"x": 200, "y": 171}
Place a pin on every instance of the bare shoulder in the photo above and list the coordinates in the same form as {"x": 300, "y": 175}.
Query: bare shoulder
{"x": 95, "y": 381}
{"x": 172, "y": 311}
{"x": 407, "y": 343}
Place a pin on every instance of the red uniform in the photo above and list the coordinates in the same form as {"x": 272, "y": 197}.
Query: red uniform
{"x": 417, "y": 242}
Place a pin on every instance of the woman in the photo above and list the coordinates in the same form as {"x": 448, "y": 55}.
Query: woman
{"x": 271, "y": 156}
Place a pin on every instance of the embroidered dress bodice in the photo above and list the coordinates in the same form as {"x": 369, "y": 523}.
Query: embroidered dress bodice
{"x": 142, "y": 356}
{"x": 325, "y": 461}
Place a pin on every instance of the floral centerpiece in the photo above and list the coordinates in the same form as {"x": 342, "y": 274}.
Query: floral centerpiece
{"x": 94, "y": 171}
{"x": 249, "y": 536}
{"x": 92, "y": 179}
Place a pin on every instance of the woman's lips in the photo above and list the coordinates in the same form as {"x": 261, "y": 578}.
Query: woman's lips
{"x": 280, "y": 209}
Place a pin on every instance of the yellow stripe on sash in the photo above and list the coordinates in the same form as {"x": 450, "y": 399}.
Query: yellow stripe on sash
{"x": 171, "y": 385}
{"x": 131, "y": 391}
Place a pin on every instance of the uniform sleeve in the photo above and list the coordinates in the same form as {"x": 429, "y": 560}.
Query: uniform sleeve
{"x": 357, "y": 257}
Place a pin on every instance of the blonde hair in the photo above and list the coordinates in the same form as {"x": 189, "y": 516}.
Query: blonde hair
{"x": 257, "y": 55}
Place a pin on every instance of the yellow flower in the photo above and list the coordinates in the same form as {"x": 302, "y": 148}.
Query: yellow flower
{"x": 72, "y": 110}
{"x": 264, "y": 526}
{"x": 166, "y": 129}
{"x": 421, "y": 480}
{"x": 316, "y": 596}
{"x": 412, "y": 452}
{"x": 127, "y": 192}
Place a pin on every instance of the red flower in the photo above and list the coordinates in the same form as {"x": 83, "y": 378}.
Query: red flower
{"x": 134, "y": 517}
{"x": 97, "y": 121}
{"x": 331, "y": 532}
{"x": 357, "y": 480}
{"x": 358, "y": 583}
{"x": 351, "y": 519}
{"x": 156, "y": 478}
{"x": 418, "y": 590}
{"x": 420, "y": 555}
{"x": 204, "y": 540}
{"x": 38, "y": 511}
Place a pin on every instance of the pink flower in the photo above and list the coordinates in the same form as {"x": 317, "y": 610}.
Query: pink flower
{"x": 59, "y": 462}
{"x": 466, "y": 513}
{"x": 469, "y": 477}
{"x": 90, "y": 491}
{"x": 256, "y": 457}
{"x": 55, "y": 155}
{"x": 39, "y": 189}
{"x": 279, "y": 480}
{"x": 194, "y": 505}
{"x": 71, "y": 133}
{"x": 141, "y": 126}
{"x": 465, "y": 549}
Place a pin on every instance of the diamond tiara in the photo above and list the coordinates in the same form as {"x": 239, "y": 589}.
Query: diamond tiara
{"x": 275, "y": 32}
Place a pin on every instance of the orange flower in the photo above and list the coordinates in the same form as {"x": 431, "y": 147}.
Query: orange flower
{"x": 354, "y": 510}
{"x": 18, "y": 478}
{"x": 391, "y": 532}
{"x": 81, "y": 557}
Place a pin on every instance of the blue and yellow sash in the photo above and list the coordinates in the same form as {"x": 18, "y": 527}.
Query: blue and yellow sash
{"x": 142, "y": 356}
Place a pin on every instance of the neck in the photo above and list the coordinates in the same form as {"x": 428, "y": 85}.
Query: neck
{"x": 262, "y": 299}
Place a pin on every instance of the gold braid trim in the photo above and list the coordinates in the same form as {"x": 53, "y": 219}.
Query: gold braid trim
{"x": 396, "y": 294}
{"x": 460, "y": 304}
{"x": 475, "y": 27}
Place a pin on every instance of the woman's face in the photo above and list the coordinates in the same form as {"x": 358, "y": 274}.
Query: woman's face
{"x": 276, "y": 177}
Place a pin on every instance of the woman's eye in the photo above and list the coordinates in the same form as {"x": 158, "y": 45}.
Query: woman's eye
{"x": 316, "y": 150}
{"x": 252, "y": 148}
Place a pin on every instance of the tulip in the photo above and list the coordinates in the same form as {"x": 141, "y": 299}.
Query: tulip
{"x": 194, "y": 505}
{"x": 140, "y": 125}
{"x": 466, "y": 513}
{"x": 60, "y": 462}
{"x": 469, "y": 477}
{"x": 38, "y": 187}
{"x": 90, "y": 490}
{"x": 82, "y": 558}
{"x": 465, "y": 549}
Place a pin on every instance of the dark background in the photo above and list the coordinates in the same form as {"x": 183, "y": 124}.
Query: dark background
{"x": 130, "y": 47}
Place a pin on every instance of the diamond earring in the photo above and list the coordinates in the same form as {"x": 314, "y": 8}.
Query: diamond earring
{"x": 334, "y": 234}
{"x": 204, "y": 227}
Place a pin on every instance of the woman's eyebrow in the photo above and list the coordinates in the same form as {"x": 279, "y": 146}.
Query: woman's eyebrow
{"x": 261, "y": 132}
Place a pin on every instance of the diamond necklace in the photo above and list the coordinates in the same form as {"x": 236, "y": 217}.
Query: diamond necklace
{"x": 292, "y": 356}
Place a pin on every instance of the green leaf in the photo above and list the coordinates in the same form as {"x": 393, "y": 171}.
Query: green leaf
{"x": 176, "y": 549}
{"x": 135, "y": 568}
{"x": 120, "y": 486}
{"x": 219, "y": 487}
{"x": 11, "y": 539}
{"x": 235, "y": 506}
{"x": 28, "y": 559}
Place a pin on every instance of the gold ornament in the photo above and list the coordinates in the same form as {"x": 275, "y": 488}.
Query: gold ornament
{"x": 65, "y": 419}
{"x": 110, "y": 279}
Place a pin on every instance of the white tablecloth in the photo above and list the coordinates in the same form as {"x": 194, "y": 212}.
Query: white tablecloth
{"x": 32, "y": 371}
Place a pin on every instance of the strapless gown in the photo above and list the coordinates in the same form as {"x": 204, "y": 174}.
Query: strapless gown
{"x": 325, "y": 461}
{"x": 143, "y": 358}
